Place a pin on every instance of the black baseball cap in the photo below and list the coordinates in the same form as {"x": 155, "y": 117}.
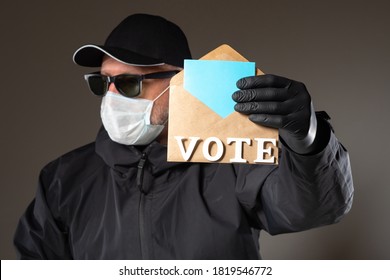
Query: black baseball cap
{"x": 140, "y": 40}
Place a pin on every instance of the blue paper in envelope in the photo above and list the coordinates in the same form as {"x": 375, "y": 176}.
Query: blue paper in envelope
{"x": 214, "y": 81}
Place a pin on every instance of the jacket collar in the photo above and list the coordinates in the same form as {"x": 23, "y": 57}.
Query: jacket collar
{"x": 122, "y": 157}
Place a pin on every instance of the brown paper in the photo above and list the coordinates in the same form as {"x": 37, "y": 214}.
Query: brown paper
{"x": 189, "y": 117}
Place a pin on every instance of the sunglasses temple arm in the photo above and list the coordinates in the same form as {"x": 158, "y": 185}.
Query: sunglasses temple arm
{"x": 160, "y": 75}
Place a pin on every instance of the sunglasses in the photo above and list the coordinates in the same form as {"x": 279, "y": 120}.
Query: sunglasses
{"x": 127, "y": 85}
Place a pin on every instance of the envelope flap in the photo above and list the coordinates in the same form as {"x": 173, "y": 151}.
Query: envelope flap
{"x": 223, "y": 52}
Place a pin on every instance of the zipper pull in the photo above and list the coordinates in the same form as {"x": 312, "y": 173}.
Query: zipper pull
{"x": 140, "y": 173}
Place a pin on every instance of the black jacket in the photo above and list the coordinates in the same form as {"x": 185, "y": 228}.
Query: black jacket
{"x": 110, "y": 201}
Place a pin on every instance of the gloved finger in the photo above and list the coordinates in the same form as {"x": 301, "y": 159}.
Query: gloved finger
{"x": 274, "y": 108}
{"x": 263, "y": 81}
{"x": 275, "y": 121}
{"x": 284, "y": 122}
{"x": 261, "y": 94}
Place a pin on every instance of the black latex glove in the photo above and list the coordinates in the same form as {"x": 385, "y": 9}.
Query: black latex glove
{"x": 281, "y": 103}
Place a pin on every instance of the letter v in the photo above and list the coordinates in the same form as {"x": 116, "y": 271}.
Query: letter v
{"x": 191, "y": 147}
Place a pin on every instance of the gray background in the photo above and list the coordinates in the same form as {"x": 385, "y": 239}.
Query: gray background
{"x": 340, "y": 49}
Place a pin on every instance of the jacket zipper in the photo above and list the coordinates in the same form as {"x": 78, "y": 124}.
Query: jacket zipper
{"x": 141, "y": 208}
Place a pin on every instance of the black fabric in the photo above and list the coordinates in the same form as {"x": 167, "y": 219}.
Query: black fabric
{"x": 140, "y": 39}
{"x": 90, "y": 205}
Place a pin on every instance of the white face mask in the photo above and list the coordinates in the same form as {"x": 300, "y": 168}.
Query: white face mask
{"x": 127, "y": 120}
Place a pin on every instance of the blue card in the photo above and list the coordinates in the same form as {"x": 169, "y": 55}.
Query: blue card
{"x": 214, "y": 81}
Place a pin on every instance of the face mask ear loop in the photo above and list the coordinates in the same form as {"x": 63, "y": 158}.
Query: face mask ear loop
{"x": 161, "y": 93}
{"x": 165, "y": 123}
{"x": 158, "y": 98}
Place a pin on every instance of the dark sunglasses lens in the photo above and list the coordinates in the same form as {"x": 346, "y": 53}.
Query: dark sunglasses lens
{"x": 97, "y": 84}
{"x": 127, "y": 85}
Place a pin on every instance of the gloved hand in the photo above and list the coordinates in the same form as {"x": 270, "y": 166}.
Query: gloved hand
{"x": 281, "y": 103}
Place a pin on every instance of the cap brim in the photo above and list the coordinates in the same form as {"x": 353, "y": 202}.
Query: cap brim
{"x": 92, "y": 55}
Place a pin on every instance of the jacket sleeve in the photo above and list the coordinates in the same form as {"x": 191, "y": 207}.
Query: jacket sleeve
{"x": 40, "y": 234}
{"x": 302, "y": 192}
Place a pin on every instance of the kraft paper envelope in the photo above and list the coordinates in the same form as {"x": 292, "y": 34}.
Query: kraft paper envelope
{"x": 199, "y": 132}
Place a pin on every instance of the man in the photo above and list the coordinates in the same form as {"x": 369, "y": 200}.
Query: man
{"x": 118, "y": 198}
